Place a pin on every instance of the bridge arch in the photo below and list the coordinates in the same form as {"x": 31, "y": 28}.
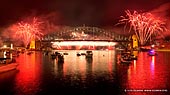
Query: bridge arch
{"x": 85, "y": 33}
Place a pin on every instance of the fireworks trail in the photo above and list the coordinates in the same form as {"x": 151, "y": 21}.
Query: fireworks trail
{"x": 28, "y": 31}
{"x": 145, "y": 25}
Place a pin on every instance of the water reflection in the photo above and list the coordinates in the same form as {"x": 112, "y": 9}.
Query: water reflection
{"x": 40, "y": 75}
{"x": 152, "y": 65}
{"x": 60, "y": 68}
{"x": 29, "y": 78}
{"x": 148, "y": 73}
{"x": 7, "y": 82}
{"x": 89, "y": 67}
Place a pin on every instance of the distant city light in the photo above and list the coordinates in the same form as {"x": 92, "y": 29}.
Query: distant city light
{"x": 5, "y": 46}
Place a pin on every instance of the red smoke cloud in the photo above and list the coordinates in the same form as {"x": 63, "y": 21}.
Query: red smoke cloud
{"x": 163, "y": 11}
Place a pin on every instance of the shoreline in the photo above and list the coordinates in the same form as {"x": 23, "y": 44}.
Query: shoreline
{"x": 166, "y": 50}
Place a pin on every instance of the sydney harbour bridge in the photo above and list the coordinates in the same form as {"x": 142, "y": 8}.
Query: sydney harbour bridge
{"x": 84, "y": 35}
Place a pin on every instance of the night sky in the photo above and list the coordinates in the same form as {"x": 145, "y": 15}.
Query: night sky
{"x": 74, "y": 12}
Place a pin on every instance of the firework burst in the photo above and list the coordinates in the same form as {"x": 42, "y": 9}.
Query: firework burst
{"x": 145, "y": 25}
{"x": 27, "y": 31}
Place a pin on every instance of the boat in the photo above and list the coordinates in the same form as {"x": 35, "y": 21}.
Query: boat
{"x": 126, "y": 53}
{"x": 57, "y": 53}
{"x": 8, "y": 67}
{"x": 89, "y": 54}
{"x": 144, "y": 49}
{"x": 152, "y": 52}
{"x": 29, "y": 52}
{"x": 53, "y": 56}
{"x": 65, "y": 53}
{"x": 131, "y": 55}
{"x": 78, "y": 54}
{"x": 83, "y": 53}
{"x": 60, "y": 58}
{"x": 126, "y": 58}
{"x": 122, "y": 60}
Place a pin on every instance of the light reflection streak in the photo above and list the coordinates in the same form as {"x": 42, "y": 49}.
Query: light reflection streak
{"x": 5, "y": 54}
{"x": 145, "y": 74}
{"x": 28, "y": 79}
{"x": 110, "y": 60}
{"x": 136, "y": 72}
{"x": 80, "y": 65}
{"x": 74, "y": 64}
{"x": 152, "y": 65}
{"x": 134, "y": 64}
{"x": 55, "y": 67}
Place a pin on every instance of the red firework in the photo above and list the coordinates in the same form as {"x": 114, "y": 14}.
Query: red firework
{"x": 144, "y": 25}
{"x": 27, "y": 31}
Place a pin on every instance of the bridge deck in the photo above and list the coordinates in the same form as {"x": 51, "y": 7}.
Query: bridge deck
{"x": 84, "y": 40}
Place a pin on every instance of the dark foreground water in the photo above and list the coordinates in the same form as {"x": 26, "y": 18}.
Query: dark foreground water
{"x": 38, "y": 74}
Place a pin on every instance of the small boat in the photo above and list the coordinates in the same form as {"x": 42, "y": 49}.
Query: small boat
{"x": 8, "y": 67}
{"x": 89, "y": 54}
{"x": 29, "y": 52}
{"x": 152, "y": 52}
{"x": 122, "y": 60}
{"x": 126, "y": 58}
{"x": 129, "y": 55}
{"x": 57, "y": 53}
{"x": 126, "y": 53}
{"x": 60, "y": 58}
{"x": 78, "y": 54}
{"x": 83, "y": 53}
{"x": 65, "y": 53}
{"x": 53, "y": 56}
{"x": 144, "y": 49}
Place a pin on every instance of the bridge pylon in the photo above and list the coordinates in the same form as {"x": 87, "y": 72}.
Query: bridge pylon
{"x": 32, "y": 44}
{"x": 134, "y": 42}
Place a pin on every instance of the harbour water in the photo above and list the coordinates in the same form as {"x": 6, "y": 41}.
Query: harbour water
{"x": 38, "y": 74}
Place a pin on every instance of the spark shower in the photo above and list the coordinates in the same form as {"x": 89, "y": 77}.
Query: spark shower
{"x": 145, "y": 25}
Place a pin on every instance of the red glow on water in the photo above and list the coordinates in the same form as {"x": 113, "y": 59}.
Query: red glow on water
{"x": 137, "y": 76}
{"x": 110, "y": 62}
{"x": 148, "y": 73}
{"x": 152, "y": 65}
{"x": 74, "y": 65}
{"x": 29, "y": 76}
{"x": 134, "y": 65}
